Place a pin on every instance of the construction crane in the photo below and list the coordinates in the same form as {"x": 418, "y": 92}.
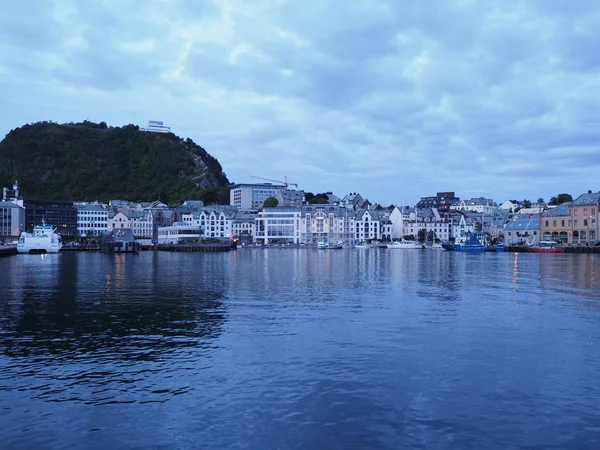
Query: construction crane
{"x": 285, "y": 183}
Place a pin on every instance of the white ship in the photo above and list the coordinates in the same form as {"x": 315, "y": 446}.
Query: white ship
{"x": 43, "y": 239}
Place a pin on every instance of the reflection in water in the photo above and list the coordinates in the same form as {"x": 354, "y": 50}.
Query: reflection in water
{"x": 279, "y": 348}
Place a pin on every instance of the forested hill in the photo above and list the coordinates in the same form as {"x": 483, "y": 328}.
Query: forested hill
{"x": 89, "y": 161}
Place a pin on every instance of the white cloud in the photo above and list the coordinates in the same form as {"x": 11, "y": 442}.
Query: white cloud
{"x": 396, "y": 100}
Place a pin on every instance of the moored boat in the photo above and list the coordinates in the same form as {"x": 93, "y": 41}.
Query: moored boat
{"x": 475, "y": 243}
{"x": 405, "y": 245}
{"x": 547, "y": 247}
{"x": 43, "y": 239}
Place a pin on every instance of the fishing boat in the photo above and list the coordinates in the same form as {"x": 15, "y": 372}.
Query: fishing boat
{"x": 475, "y": 243}
{"x": 43, "y": 239}
{"x": 547, "y": 247}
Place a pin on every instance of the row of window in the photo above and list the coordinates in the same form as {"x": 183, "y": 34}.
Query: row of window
{"x": 571, "y": 223}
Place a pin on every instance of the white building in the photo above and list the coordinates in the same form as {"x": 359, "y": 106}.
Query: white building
{"x": 275, "y": 225}
{"x": 157, "y": 126}
{"x": 179, "y": 233}
{"x": 479, "y": 204}
{"x": 92, "y": 218}
{"x": 118, "y": 220}
{"x": 250, "y": 197}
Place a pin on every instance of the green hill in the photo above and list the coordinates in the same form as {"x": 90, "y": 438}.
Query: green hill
{"x": 89, "y": 161}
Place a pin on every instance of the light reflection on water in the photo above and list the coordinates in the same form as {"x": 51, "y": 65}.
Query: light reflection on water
{"x": 299, "y": 348}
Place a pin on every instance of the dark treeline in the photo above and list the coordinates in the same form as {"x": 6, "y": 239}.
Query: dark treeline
{"x": 89, "y": 161}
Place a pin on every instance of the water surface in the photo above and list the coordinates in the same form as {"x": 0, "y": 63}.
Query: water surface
{"x": 300, "y": 348}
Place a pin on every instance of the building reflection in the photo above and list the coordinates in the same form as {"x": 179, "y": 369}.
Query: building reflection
{"x": 88, "y": 303}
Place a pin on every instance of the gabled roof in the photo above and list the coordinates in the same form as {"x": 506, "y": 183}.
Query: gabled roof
{"x": 591, "y": 198}
{"x": 560, "y": 211}
{"x": 10, "y": 205}
{"x": 522, "y": 222}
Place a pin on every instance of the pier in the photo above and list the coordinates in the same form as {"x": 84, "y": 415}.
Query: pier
{"x": 213, "y": 247}
{"x": 7, "y": 250}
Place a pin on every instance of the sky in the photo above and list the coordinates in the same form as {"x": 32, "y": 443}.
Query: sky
{"x": 393, "y": 99}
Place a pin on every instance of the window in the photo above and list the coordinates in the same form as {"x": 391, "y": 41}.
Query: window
{"x": 562, "y": 223}
{"x": 585, "y": 211}
{"x": 554, "y": 223}
{"x": 585, "y": 222}
{"x": 575, "y": 222}
{"x": 547, "y": 223}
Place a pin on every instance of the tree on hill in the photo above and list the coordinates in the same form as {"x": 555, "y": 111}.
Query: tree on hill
{"x": 270, "y": 202}
{"x": 89, "y": 161}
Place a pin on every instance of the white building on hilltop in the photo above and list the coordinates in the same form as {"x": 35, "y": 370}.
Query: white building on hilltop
{"x": 157, "y": 126}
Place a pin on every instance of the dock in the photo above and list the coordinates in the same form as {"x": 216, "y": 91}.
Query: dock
{"x": 213, "y": 247}
{"x": 7, "y": 250}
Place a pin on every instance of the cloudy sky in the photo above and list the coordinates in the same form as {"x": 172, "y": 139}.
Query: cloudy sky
{"x": 393, "y": 99}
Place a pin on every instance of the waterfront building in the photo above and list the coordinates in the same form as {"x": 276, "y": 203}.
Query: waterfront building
{"x": 12, "y": 221}
{"x": 369, "y": 225}
{"x": 60, "y": 214}
{"x": 215, "y": 220}
{"x": 435, "y": 224}
{"x": 557, "y": 224}
{"x": 117, "y": 220}
{"x": 584, "y": 211}
{"x": 92, "y": 218}
{"x": 141, "y": 223}
{"x": 522, "y": 229}
{"x": 179, "y": 233}
{"x": 12, "y": 214}
{"x": 326, "y": 223}
{"x": 251, "y": 197}
{"x": 574, "y": 222}
{"x": 243, "y": 226}
{"x": 278, "y": 225}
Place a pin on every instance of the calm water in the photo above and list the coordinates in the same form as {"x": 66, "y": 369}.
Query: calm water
{"x": 305, "y": 349}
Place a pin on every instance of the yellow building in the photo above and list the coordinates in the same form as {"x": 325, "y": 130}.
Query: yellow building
{"x": 573, "y": 222}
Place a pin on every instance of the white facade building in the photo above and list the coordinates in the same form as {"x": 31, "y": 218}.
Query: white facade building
{"x": 278, "y": 225}
{"x": 179, "y": 233}
{"x": 92, "y": 219}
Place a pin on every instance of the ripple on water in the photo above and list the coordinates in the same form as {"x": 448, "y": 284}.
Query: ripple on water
{"x": 300, "y": 349}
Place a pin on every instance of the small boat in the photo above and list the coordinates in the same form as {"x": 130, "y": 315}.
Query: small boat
{"x": 449, "y": 246}
{"x": 435, "y": 246}
{"x": 406, "y": 245}
{"x": 322, "y": 245}
{"x": 547, "y": 247}
{"x": 43, "y": 239}
{"x": 361, "y": 245}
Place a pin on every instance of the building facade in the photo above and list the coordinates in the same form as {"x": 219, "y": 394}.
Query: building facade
{"x": 92, "y": 219}
{"x": 278, "y": 225}
{"x": 60, "y": 214}
{"x": 250, "y": 197}
{"x": 574, "y": 223}
{"x": 12, "y": 221}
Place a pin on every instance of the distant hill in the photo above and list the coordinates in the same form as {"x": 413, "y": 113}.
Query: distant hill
{"x": 89, "y": 161}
